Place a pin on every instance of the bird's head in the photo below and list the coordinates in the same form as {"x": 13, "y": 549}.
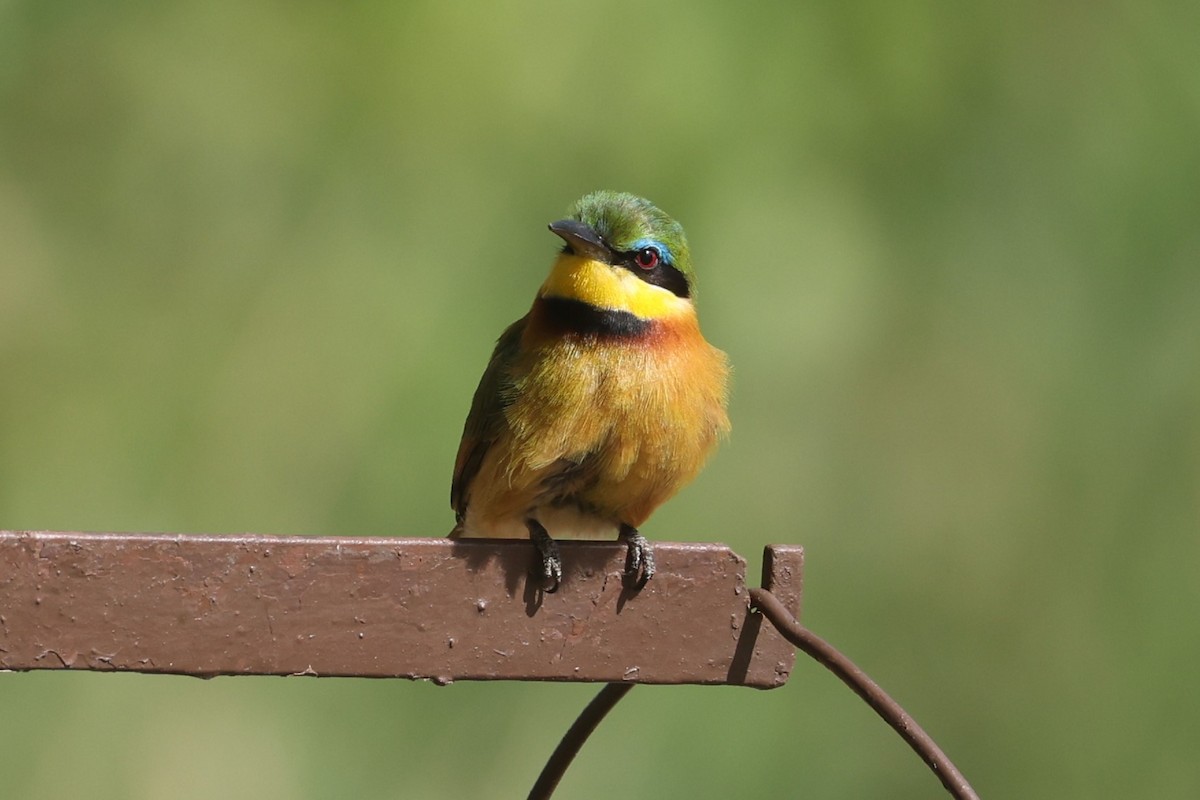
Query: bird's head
{"x": 622, "y": 253}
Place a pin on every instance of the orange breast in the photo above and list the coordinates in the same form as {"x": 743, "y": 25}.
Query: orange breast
{"x": 637, "y": 415}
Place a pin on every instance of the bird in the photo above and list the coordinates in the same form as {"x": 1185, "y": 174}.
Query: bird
{"x": 602, "y": 401}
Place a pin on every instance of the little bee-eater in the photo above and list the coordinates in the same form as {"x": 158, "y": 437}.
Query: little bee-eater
{"x": 601, "y": 402}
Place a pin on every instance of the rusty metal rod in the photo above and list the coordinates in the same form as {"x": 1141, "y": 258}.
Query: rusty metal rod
{"x": 574, "y": 738}
{"x": 833, "y": 660}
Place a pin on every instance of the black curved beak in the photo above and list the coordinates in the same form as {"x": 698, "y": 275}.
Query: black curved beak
{"x": 582, "y": 240}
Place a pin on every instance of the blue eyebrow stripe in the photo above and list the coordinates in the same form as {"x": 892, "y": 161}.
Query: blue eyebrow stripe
{"x": 663, "y": 250}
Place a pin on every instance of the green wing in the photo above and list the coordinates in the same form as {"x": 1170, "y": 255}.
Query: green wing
{"x": 486, "y": 420}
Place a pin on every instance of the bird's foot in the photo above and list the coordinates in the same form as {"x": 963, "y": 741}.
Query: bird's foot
{"x": 639, "y": 565}
{"x": 551, "y": 566}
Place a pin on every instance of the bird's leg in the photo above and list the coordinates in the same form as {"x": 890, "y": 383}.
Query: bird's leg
{"x": 548, "y": 549}
{"x": 641, "y": 556}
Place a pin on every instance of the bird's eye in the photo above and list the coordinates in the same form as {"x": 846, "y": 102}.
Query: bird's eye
{"x": 647, "y": 258}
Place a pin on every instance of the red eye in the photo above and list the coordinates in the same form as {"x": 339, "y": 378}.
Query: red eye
{"x": 647, "y": 258}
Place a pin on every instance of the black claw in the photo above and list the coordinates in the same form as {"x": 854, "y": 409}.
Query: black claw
{"x": 551, "y": 566}
{"x": 639, "y": 564}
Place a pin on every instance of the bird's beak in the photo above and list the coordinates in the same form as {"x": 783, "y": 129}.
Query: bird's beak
{"x": 582, "y": 240}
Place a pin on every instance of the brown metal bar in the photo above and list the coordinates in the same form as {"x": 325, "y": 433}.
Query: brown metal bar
{"x": 380, "y": 607}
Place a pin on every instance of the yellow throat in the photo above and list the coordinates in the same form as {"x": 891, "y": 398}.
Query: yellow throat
{"x": 613, "y": 288}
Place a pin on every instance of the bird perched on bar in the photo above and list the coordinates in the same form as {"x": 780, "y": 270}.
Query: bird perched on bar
{"x": 600, "y": 403}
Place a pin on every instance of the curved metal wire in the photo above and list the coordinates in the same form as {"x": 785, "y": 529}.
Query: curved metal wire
{"x": 849, "y": 673}
{"x": 576, "y": 735}
{"x": 812, "y": 645}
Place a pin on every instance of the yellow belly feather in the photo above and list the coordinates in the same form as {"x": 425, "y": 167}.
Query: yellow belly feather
{"x": 645, "y": 416}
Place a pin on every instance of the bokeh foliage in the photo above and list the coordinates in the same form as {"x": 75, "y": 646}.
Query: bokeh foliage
{"x": 253, "y": 256}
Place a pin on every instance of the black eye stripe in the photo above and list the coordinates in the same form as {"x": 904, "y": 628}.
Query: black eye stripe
{"x": 661, "y": 274}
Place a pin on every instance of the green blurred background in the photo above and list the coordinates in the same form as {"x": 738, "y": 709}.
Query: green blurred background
{"x": 253, "y": 257}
